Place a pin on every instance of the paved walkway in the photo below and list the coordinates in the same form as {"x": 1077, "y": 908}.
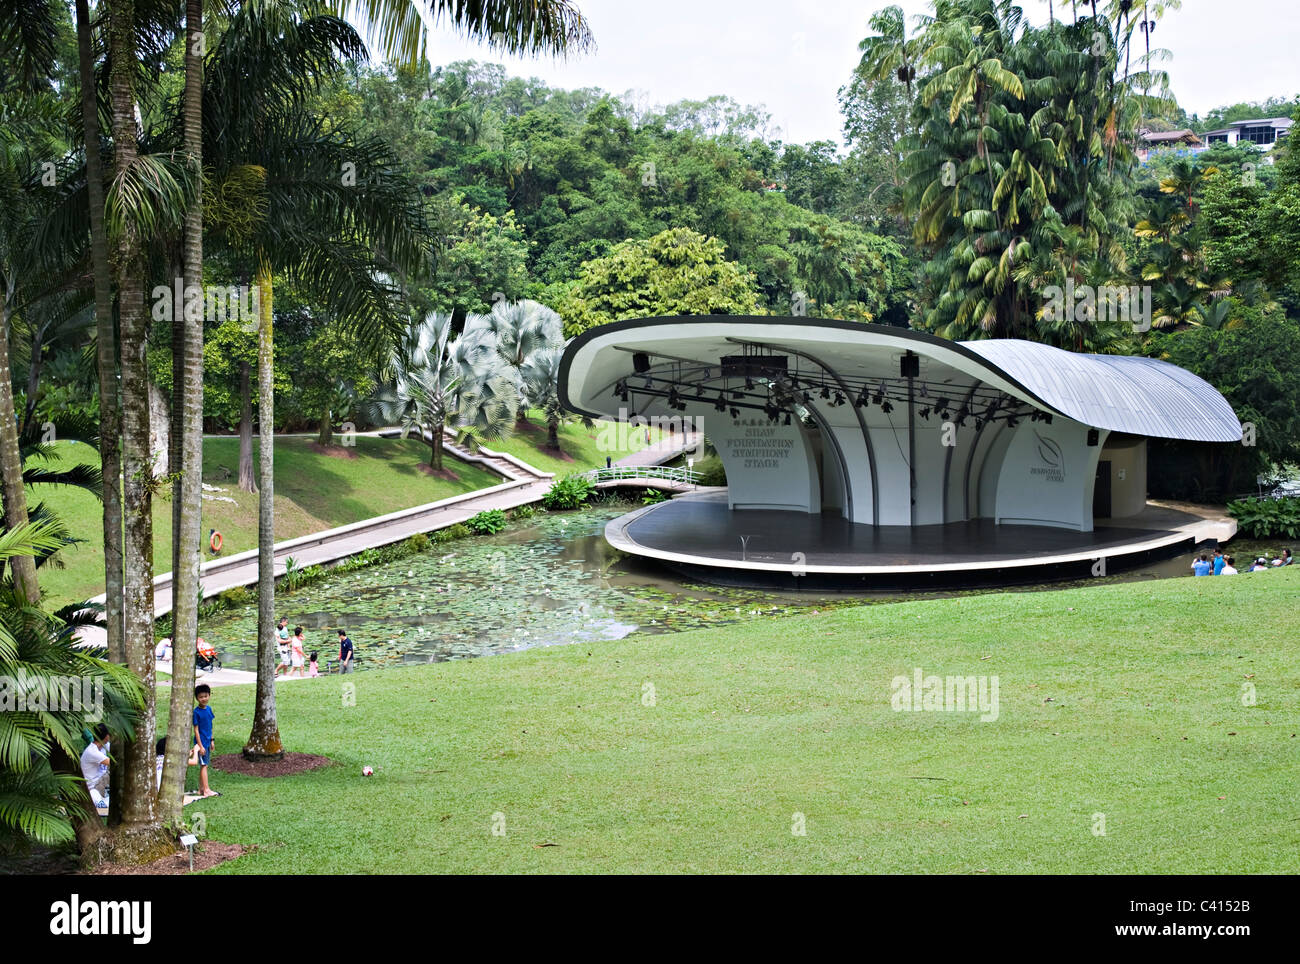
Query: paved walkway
{"x": 524, "y": 484}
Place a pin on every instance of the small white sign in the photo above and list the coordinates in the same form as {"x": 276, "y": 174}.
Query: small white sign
{"x": 189, "y": 840}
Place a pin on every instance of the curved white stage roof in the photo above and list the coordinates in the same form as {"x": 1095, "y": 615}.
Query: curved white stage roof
{"x": 888, "y": 426}
{"x": 1135, "y": 395}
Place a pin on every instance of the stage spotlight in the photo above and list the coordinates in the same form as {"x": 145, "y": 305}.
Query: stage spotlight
{"x": 621, "y": 390}
{"x": 879, "y": 398}
{"x": 925, "y": 413}
{"x": 1012, "y": 422}
{"x": 825, "y": 392}
{"x": 887, "y": 407}
{"x": 735, "y": 413}
{"x": 941, "y": 408}
{"x": 1047, "y": 418}
{"x": 839, "y": 400}
{"x": 1033, "y": 416}
{"x": 721, "y": 403}
{"x": 923, "y": 393}
{"x": 787, "y": 418}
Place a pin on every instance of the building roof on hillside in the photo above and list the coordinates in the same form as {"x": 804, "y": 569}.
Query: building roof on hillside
{"x": 1165, "y": 137}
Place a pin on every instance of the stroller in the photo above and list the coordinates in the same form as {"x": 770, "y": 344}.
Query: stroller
{"x": 206, "y": 657}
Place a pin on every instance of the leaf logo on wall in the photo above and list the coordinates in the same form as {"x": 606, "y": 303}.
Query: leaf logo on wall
{"x": 1049, "y": 451}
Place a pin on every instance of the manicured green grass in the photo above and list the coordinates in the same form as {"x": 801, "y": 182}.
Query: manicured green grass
{"x": 1123, "y": 700}
{"x": 584, "y": 448}
{"x": 313, "y": 491}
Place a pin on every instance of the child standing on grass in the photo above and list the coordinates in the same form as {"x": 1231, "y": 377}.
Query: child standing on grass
{"x": 202, "y": 719}
{"x": 297, "y": 653}
{"x": 312, "y": 668}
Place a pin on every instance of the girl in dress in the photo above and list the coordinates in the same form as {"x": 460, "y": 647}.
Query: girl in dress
{"x": 312, "y": 668}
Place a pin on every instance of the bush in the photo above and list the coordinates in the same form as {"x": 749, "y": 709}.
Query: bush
{"x": 569, "y": 492}
{"x": 522, "y": 512}
{"x": 452, "y": 533}
{"x": 1266, "y": 518}
{"x": 488, "y": 522}
{"x": 418, "y": 542}
{"x": 235, "y": 596}
{"x": 711, "y": 471}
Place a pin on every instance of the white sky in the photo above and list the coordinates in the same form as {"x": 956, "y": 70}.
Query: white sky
{"x": 792, "y": 57}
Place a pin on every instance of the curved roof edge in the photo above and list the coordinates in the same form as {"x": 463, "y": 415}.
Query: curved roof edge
{"x": 1120, "y": 393}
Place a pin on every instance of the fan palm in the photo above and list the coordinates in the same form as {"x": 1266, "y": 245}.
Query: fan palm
{"x": 437, "y": 383}
{"x": 518, "y": 330}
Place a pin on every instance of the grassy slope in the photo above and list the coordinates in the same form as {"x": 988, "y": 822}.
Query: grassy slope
{"x": 312, "y": 492}
{"x": 1122, "y": 699}
{"x": 585, "y": 447}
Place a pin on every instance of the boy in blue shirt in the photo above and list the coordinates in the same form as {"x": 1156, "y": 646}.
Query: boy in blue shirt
{"x": 1219, "y": 562}
{"x": 202, "y": 722}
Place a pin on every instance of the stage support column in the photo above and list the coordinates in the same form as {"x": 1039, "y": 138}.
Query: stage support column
{"x": 911, "y": 366}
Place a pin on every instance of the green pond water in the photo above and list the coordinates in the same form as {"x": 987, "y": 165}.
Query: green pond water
{"x": 552, "y": 580}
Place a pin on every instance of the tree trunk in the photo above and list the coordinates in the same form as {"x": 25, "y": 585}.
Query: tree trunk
{"x": 176, "y": 413}
{"x": 264, "y": 742}
{"x": 138, "y": 835}
{"x": 553, "y": 433}
{"x": 435, "y": 448}
{"x": 110, "y": 426}
{"x": 326, "y": 435}
{"x": 185, "y": 575}
{"x": 246, "y": 481}
{"x": 11, "y": 466}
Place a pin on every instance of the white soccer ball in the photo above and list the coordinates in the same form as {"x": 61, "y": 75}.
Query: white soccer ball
{"x": 367, "y": 771}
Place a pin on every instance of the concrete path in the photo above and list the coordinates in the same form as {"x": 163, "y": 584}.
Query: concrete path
{"x": 524, "y": 484}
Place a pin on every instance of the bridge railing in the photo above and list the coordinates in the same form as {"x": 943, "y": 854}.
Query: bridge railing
{"x": 666, "y": 473}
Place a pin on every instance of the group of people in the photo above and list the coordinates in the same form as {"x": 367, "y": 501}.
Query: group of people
{"x": 95, "y": 759}
{"x": 1221, "y": 565}
{"x": 293, "y": 652}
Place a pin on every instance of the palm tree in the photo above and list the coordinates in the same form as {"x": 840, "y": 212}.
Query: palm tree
{"x": 518, "y": 330}
{"x": 890, "y": 53}
{"x": 42, "y": 795}
{"x": 540, "y": 378}
{"x": 438, "y": 383}
{"x": 323, "y": 207}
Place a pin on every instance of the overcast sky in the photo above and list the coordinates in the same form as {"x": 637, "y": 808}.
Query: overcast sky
{"x": 793, "y": 56}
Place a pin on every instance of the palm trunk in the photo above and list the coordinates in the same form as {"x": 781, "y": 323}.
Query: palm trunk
{"x": 139, "y": 836}
{"x": 246, "y": 480}
{"x": 185, "y": 574}
{"x": 435, "y": 447}
{"x": 175, "y": 429}
{"x": 11, "y": 466}
{"x": 106, "y": 347}
{"x": 264, "y": 742}
{"x": 553, "y": 433}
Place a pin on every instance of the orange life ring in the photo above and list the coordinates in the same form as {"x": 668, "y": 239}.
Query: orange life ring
{"x": 215, "y": 541}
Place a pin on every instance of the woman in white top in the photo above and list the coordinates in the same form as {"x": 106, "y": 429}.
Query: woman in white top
{"x": 298, "y": 653}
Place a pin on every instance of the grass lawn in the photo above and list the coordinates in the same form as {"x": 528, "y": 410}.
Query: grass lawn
{"x": 313, "y": 491}
{"x": 586, "y": 448}
{"x": 698, "y": 751}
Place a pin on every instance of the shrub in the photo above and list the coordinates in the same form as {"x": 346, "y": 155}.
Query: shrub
{"x": 488, "y": 522}
{"x": 1265, "y": 518}
{"x": 418, "y": 542}
{"x": 569, "y": 492}
{"x": 711, "y": 471}
{"x": 524, "y": 511}
{"x": 452, "y": 533}
{"x": 235, "y": 596}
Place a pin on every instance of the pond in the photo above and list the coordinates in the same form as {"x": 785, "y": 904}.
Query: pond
{"x": 551, "y": 580}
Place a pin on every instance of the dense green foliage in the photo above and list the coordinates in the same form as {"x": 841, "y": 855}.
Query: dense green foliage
{"x": 569, "y": 492}
{"x": 1265, "y": 518}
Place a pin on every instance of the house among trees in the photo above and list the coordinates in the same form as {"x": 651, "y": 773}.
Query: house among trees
{"x": 1263, "y": 133}
{"x": 1184, "y": 141}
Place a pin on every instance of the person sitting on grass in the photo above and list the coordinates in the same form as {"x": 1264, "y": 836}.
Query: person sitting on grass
{"x": 94, "y": 766}
{"x": 1284, "y": 559}
{"x": 1260, "y": 565}
{"x": 1230, "y": 567}
{"x": 201, "y": 719}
